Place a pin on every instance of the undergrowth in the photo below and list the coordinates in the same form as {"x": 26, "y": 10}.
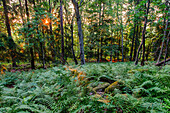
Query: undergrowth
{"x": 105, "y": 87}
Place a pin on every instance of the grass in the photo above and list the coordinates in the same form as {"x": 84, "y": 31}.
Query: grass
{"x": 104, "y": 87}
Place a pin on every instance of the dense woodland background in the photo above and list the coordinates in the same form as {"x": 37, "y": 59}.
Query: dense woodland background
{"x": 59, "y": 31}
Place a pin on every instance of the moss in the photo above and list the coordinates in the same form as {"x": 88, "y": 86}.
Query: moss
{"x": 101, "y": 86}
{"x": 112, "y": 86}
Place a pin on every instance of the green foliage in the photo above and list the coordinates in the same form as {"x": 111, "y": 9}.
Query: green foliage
{"x": 139, "y": 89}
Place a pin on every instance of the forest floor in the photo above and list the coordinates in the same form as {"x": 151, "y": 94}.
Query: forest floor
{"x": 94, "y": 87}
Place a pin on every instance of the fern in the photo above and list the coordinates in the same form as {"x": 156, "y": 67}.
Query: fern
{"x": 54, "y": 90}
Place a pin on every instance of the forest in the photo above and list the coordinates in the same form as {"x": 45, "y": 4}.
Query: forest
{"x": 84, "y": 56}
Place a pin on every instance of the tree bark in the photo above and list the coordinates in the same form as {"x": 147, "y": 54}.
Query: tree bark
{"x": 166, "y": 50}
{"x": 118, "y": 47}
{"x": 131, "y": 51}
{"x": 143, "y": 38}
{"x": 42, "y": 50}
{"x": 53, "y": 52}
{"x": 80, "y": 32}
{"x": 98, "y": 49}
{"x": 143, "y": 34}
{"x": 31, "y": 48}
{"x": 62, "y": 32}
{"x": 11, "y": 41}
{"x": 117, "y": 33}
{"x": 136, "y": 34}
{"x": 166, "y": 26}
{"x": 163, "y": 62}
{"x": 122, "y": 36}
{"x": 72, "y": 40}
{"x": 101, "y": 41}
{"x": 136, "y": 42}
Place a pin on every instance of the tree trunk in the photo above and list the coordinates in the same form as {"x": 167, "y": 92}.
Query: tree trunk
{"x": 143, "y": 34}
{"x": 143, "y": 38}
{"x": 148, "y": 50}
{"x": 101, "y": 41}
{"x": 53, "y": 52}
{"x": 134, "y": 32}
{"x": 131, "y": 51}
{"x": 118, "y": 47}
{"x": 80, "y": 32}
{"x": 163, "y": 62}
{"x": 122, "y": 36}
{"x": 11, "y": 41}
{"x": 42, "y": 51}
{"x": 72, "y": 40}
{"x": 166, "y": 50}
{"x": 166, "y": 26}
{"x": 136, "y": 41}
{"x": 98, "y": 49}
{"x": 111, "y": 53}
{"x": 31, "y": 48}
{"x": 62, "y": 32}
{"x": 117, "y": 33}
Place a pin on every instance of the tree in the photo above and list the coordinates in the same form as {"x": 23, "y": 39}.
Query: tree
{"x": 136, "y": 34}
{"x": 62, "y": 32}
{"x": 11, "y": 42}
{"x": 80, "y": 32}
{"x": 31, "y": 48}
{"x": 143, "y": 37}
{"x": 72, "y": 39}
{"x": 51, "y": 35}
{"x": 166, "y": 26}
{"x": 122, "y": 34}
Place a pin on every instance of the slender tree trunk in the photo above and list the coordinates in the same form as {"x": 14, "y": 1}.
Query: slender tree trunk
{"x": 143, "y": 38}
{"x": 122, "y": 36}
{"x": 43, "y": 56}
{"x": 156, "y": 53}
{"x": 80, "y": 32}
{"x": 101, "y": 51}
{"x": 136, "y": 41}
{"x": 72, "y": 40}
{"x": 53, "y": 52}
{"x": 143, "y": 56}
{"x": 111, "y": 53}
{"x": 31, "y": 48}
{"x": 166, "y": 50}
{"x": 117, "y": 34}
{"x": 166, "y": 26}
{"x": 131, "y": 51}
{"x": 11, "y": 41}
{"x": 98, "y": 49}
{"x": 134, "y": 32}
{"x": 162, "y": 42}
{"x": 42, "y": 50}
{"x": 62, "y": 32}
{"x": 137, "y": 35}
{"x": 148, "y": 51}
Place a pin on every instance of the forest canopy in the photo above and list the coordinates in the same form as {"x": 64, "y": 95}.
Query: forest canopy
{"x": 60, "y": 31}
